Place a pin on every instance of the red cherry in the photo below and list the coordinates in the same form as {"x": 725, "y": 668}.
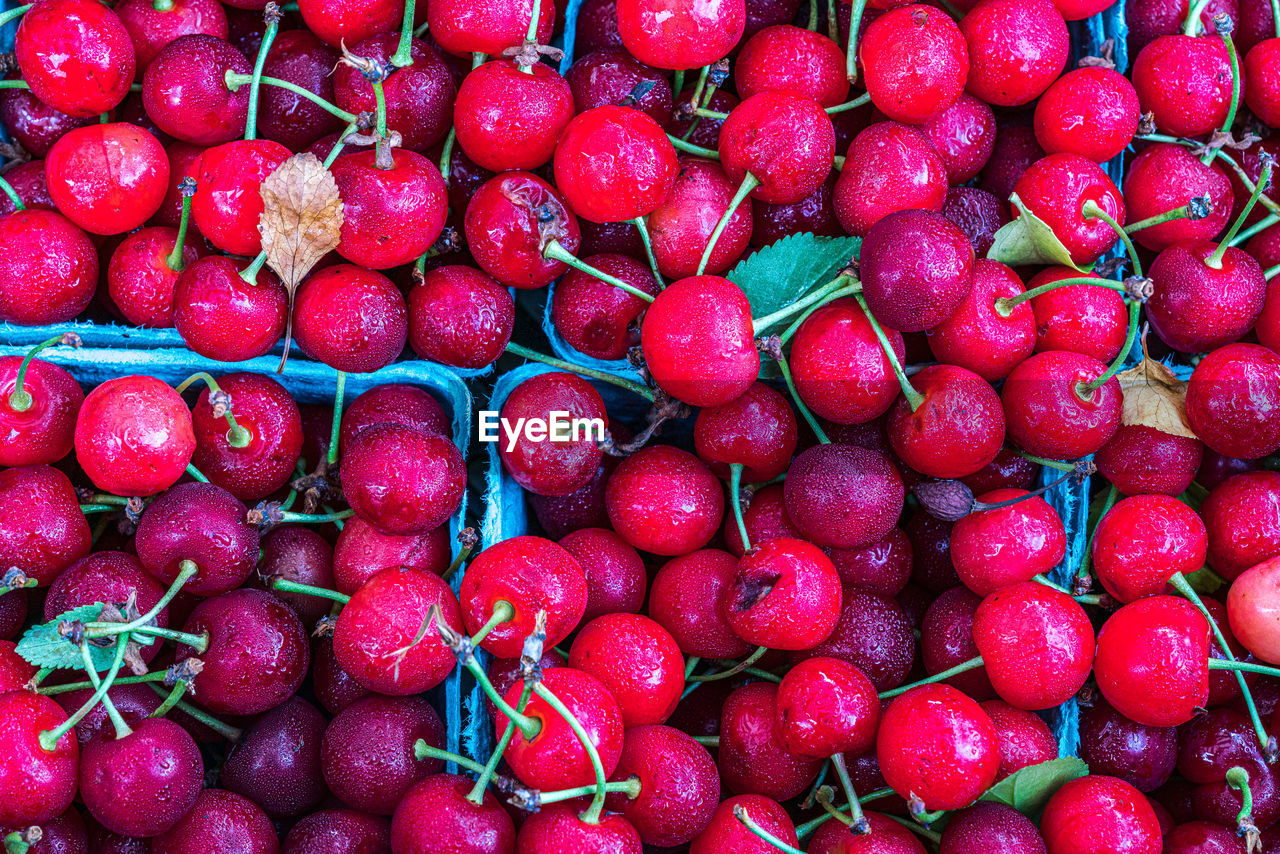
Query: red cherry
{"x": 726, "y": 833}
{"x": 992, "y": 549}
{"x": 1143, "y": 541}
{"x": 687, "y": 600}
{"x": 184, "y": 160}
{"x": 616, "y": 577}
{"x": 362, "y": 552}
{"x": 594, "y": 317}
{"x": 964, "y": 135}
{"x": 1165, "y": 176}
{"x": 75, "y": 55}
{"x": 554, "y": 758}
{"x": 376, "y": 639}
{"x": 1045, "y": 412}
{"x": 403, "y": 480}
{"x": 134, "y": 436}
{"x": 460, "y": 317}
{"x": 637, "y": 660}
{"x": 957, "y": 428}
{"x": 1083, "y": 319}
{"x": 1252, "y": 608}
{"x": 509, "y": 222}
{"x": 1143, "y": 460}
{"x": 1185, "y": 82}
{"x": 757, "y": 430}
{"x": 1096, "y": 814}
{"x": 150, "y": 29}
{"x": 105, "y": 577}
{"x": 681, "y": 226}
{"x": 1230, "y": 398}
{"x": 302, "y": 59}
{"x": 530, "y": 574}
{"x": 266, "y": 463}
{"x": 1152, "y": 661}
{"x": 227, "y": 204}
{"x": 785, "y": 595}
{"x": 420, "y": 97}
{"x": 843, "y": 496}
{"x": 107, "y": 178}
{"x": 378, "y": 201}
{"x": 946, "y": 639}
{"x": 1262, "y": 87}
{"x": 393, "y": 403}
{"x": 840, "y": 370}
{"x": 140, "y": 281}
{"x": 350, "y": 318}
{"x": 679, "y": 786}
{"x": 765, "y": 517}
{"x": 883, "y": 567}
{"x": 551, "y": 464}
{"x": 914, "y": 61}
{"x": 698, "y": 341}
{"x": 37, "y": 784}
{"x": 874, "y": 635}
{"x": 1092, "y": 112}
{"x": 752, "y": 757}
{"x": 141, "y": 784}
{"x": 1017, "y": 48}
{"x": 1025, "y": 739}
{"x": 631, "y": 182}
{"x": 1036, "y": 644}
{"x": 1056, "y": 188}
{"x": 218, "y": 818}
{"x": 788, "y": 58}
{"x": 1113, "y": 745}
{"x": 299, "y": 554}
{"x": 221, "y": 315}
{"x": 1198, "y": 307}
{"x": 32, "y": 123}
{"x": 886, "y": 836}
{"x": 204, "y": 524}
{"x": 436, "y": 814}
{"x": 276, "y": 763}
{"x": 661, "y": 482}
{"x": 1201, "y": 837}
{"x": 782, "y": 139}
{"x": 1242, "y": 517}
{"x": 464, "y": 27}
{"x": 506, "y": 118}
{"x": 826, "y": 706}
{"x": 916, "y": 269}
{"x": 559, "y": 827}
{"x": 185, "y": 93}
{"x": 350, "y": 22}
{"x": 38, "y": 429}
{"x": 44, "y": 531}
{"x": 937, "y": 745}
{"x": 611, "y": 77}
{"x": 48, "y": 268}
{"x": 890, "y": 167}
{"x": 680, "y": 34}
{"x": 977, "y": 336}
{"x": 1152, "y": 18}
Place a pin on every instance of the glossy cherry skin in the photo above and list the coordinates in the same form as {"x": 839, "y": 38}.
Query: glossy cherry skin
{"x": 726, "y": 833}
{"x": 1185, "y": 81}
{"x": 373, "y": 640}
{"x": 134, "y": 436}
{"x": 938, "y": 745}
{"x": 681, "y": 226}
{"x": 75, "y": 55}
{"x": 185, "y": 93}
{"x": 1152, "y": 661}
{"x": 202, "y": 523}
{"x": 554, "y": 758}
{"x": 1229, "y": 398}
{"x": 362, "y": 551}
{"x": 596, "y": 318}
{"x": 916, "y": 268}
{"x": 561, "y": 461}
{"x": 679, "y": 786}
{"x": 946, "y": 639}
{"x": 222, "y": 316}
{"x": 987, "y": 826}
{"x": 840, "y": 370}
{"x": 402, "y": 480}
{"x": 15, "y": 671}
{"x": 785, "y": 595}
{"x": 350, "y": 318}
{"x": 1142, "y": 756}
{"x": 661, "y": 482}
{"x": 890, "y": 167}
{"x": 509, "y": 221}
{"x": 105, "y": 576}
{"x": 1037, "y": 644}
{"x": 616, "y": 576}
{"x": 1240, "y": 516}
{"x": 559, "y": 827}
{"x": 107, "y": 178}
{"x": 885, "y": 837}
{"x": 784, "y": 140}
{"x": 978, "y": 337}
{"x": 509, "y": 119}
{"x": 1202, "y": 837}
{"x": 1096, "y": 814}
{"x": 1143, "y": 460}
{"x": 611, "y": 76}
{"x": 463, "y": 27}
{"x": 530, "y": 574}
{"x": 784, "y": 57}
{"x": 964, "y": 135}
{"x": 139, "y": 279}
{"x": 995, "y": 548}
{"x": 44, "y": 531}
{"x": 874, "y": 635}
{"x": 150, "y": 29}
{"x": 142, "y": 784}
{"x": 757, "y": 430}
{"x": 264, "y": 409}
{"x": 228, "y": 202}
{"x": 914, "y": 61}
{"x": 957, "y": 429}
{"x": 377, "y": 203}
{"x": 37, "y": 784}
{"x": 300, "y": 58}
{"x": 1165, "y": 176}
{"x": 393, "y": 403}
{"x": 221, "y": 822}
{"x": 1196, "y": 307}
{"x": 460, "y": 317}
{"x": 1016, "y": 50}
{"x": 1212, "y": 744}
{"x": 44, "y": 431}
{"x": 1092, "y": 112}
{"x": 631, "y": 182}
{"x": 338, "y": 829}
{"x": 420, "y": 97}
{"x": 751, "y": 756}
{"x": 1045, "y": 414}
{"x": 1085, "y": 319}
{"x": 1025, "y": 739}
{"x": 1143, "y": 541}
{"x": 435, "y": 815}
{"x": 686, "y": 599}
{"x": 48, "y": 268}
{"x": 1252, "y": 609}
{"x": 843, "y": 496}
{"x": 33, "y": 124}
{"x": 1056, "y": 188}
{"x": 680, "y": 34}
{"x": 297, "y": 553}
{"x": 637, "y": 660}
{"x": 826, "y": 706}
{"x": 334, "y": 687}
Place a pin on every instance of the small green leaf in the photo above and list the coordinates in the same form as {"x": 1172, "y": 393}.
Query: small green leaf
{"x": 784, "y": 271}
{"x": 1029, "y": 790}
{"x": 1205, "y": 580}
{"x": 1029, "y": 240}
{"x": 43, "y": 646}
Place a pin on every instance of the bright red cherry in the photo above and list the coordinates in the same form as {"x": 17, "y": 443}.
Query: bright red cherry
{"x": 992, "y": 549}
{"x": 1143, "y": 541}
{"x": 977, "y": 336}
{"x": 1085, "y": 319}
{"x": 785, "y": 57}
{"x": 593, "y": 316}
{"x": 509, "y": 118}
{"x": 419, "y": 96}
{"x": 1145, "y": 460}
{"x": 350, "y": 318}
{"x": 1096, "y": 814}
{"x": 379, "y": 200}
{"x": 914, "y": 62}
{"x": 223, "y": 315}
{"x": 564, "y": 460}
{"x": 140, "y": 281}
{"x": 37, "y": 783}
{"x": 637, "y": 660}
{"x": 1092, "y": 112}
{"x": 827, "y": 706}
{"x": 151, "y": 29}
{"x": 143, "y": 783}
{"x": 785, "y": 595}
{"x": 964, "y": 135}
{"x": 464, "y": 27}
{"x": 785, "y": 141}
{"x": 134, "y": 436}
{"x": 1056, "y": 189}
{"x": 956, "y": 429}
{"x": 253, "y": 469}
{"x": 1165, "y": 176}
{"x": 107, "y": 178}
{"x": 1017, "y": 48}
{"x": 1185, "y": 82}
{"x": 630, "y": 181}
{"x": 726, "y": 833}
{"x": 757, "y": 431}
{"x": 510, "y": 221}
{"x": 44, "y": 531}
{"x": 460, "y": 317}
{"x": 667, "y": 484}
{"x": 75, "y": 55}
{"x": 436, "y": 814}
{"x": 1050, "y": 411}
{"x": 185, "y": 93}
{"x": 38, "y": 422}
{"x": 686, "y": 598}
{"x": 48, "y": 268}
{"x": 1242, "y": 515}
{"x": 682, "y": 225}
{"x": 752, "y": 757}
{"x": 679, "y": 786}
{"x": 890, "y": 167}
{"x": 680, "y": 34}
{"x": 1230, "y": 398}
{"x": 403, "y": 480}
{"x": 228, "y": 200}
{"x": 1197, "y": 306}
{"x": 840, "y": 370}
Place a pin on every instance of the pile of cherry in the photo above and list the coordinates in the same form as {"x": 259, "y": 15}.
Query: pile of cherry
{"x": 873, "y": 283}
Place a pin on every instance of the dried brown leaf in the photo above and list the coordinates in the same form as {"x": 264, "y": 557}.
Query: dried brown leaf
{"x": 1154, "y": 397}
{"x": 301, "y": 218}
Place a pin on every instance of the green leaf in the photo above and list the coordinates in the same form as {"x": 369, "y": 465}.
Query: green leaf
{"x": 43, "y": 646}
{"x": 1205, "y": 580}
{"x": 1029, "y": 790}
{"x": 784, "y": 271}
{"x": 1029, "y": 240}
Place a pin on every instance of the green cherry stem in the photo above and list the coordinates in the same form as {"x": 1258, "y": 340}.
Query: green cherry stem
{"x": 1264, "y": 179}
{"x": 851, "y": 49}
{"x": 1270, "y": 272}
{"x": 1247, "y": 666}
{"x": 317, "y": 518}
{"x": 809, "y": 827}
{"x": 1084, "y": 390}
{"x": 1191, "y": 24}
{"x": 859, "y": 822}
{"x": 1006, "y": 305}
{"x": 13, "y": 13}
{"x": 422, "y": 750}
{"x": 554, "y": 251}
{"x": 813, "y": 16}
{"x": 690, "y": 148}
{"x": 234, "y": 81}
{"x": 53, "y": 690}
{"x": 200, "y": 642}
{"x": 1224, "y": 26}
{"x": 237, "y": 436}
{"x": 781, "y": 358}
{"x": 1197, "y": 209}
{"x": 913, "y": 397}
{"x": 503, "y": 612}
{"x": 833, "y": 23}
{"x": 14, "y": 198}
{"x": 735, "y": 499}
{"x": 740, "y": 813}
{"x": 15, "y": 84}
{"x": 1275, "y": 16}
{"x": 531, "y": 35}
{"x": 223, "y": 729}
{"x": 285, "y": 586}
{"x": 187, "y": 189}
{"x": 117, "y": 722}
{"x": 849, "y": 105}
{"x": 592, "y": 813}
{"x": 171, "y": 701}
{"x": 1092, "y": 210}
{"x": 629, "y": 787}
{"x": 643, "y": 228}
{"x": 842, "y": 285}
{"x": 603, "y": 376}
{"x": 335, "y": 425}
{"x": 963, "y": 667}
{"x": 1238, "y": 779}
{"x": 1258, "y": 227}
{"x": 272, "y": 15}
{"x": 476, "y": 795}
{"x": 749, "y": 183}
{"x": 337, "y": 147}
{"x": 20, "y": 399}
{"x": 49, "y": 738}
{"x": 734, "y": 670}
{"x": 923, "y": 832}
{"x": 529, "y": 727}
{"x": 186, "y": 571}
{"x": 196, "y": 473}
{"x": 403, "y": 57}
